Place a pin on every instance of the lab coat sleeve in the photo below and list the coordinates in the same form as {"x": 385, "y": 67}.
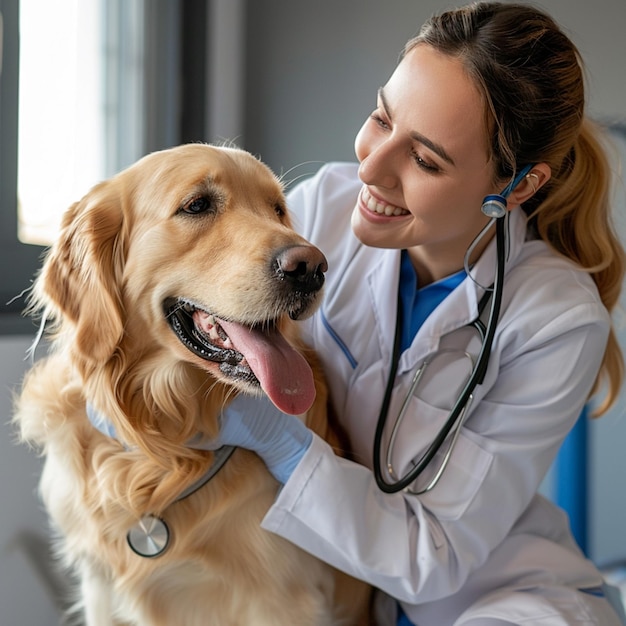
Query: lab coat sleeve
{"x": 423, "y": 548}
{"x": 334, "y": 510}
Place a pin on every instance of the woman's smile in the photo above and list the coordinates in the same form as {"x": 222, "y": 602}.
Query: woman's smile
{"x": 380, "y": 207}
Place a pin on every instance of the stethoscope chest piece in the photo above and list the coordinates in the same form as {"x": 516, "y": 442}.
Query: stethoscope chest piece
{"x": 149, "y": 537}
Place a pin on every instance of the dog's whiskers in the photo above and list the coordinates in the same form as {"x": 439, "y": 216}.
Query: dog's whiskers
{"x": 181, "y": 305}
{"x": 287, "y": 183}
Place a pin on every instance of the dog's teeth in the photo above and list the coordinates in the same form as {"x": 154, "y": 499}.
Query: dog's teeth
{"x": 214, "y": 329}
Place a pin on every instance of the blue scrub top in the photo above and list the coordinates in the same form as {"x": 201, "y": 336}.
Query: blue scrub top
{"x": 418, "y": 303}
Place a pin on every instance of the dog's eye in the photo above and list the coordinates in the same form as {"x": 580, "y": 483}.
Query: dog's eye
{"x": 280, "y": 210}
{"x": 197, "y": 206}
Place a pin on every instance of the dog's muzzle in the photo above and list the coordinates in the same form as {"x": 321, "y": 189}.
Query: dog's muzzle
{"x": 258, "y": 355}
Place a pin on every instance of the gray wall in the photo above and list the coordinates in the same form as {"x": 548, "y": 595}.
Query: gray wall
{"x": 314, "y": 67}
{"x": 25, "y": 598}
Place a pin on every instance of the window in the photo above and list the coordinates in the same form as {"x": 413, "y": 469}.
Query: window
{"x": 17, "y": 261}
{"x": 109, "y": 87}
{"x": 61, "y": 111}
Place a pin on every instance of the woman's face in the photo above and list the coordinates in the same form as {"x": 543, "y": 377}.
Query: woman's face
{"x": 424, "y": 164}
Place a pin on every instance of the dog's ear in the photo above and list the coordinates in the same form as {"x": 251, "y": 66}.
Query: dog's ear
{"x": 81, "y": 275}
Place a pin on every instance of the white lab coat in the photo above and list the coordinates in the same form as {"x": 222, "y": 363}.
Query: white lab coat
{"x": 483, "y": 526}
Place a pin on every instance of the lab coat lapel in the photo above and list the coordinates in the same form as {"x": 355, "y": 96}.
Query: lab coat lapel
{"x": 461, "y": 306}
{"x": 383, "y": 281}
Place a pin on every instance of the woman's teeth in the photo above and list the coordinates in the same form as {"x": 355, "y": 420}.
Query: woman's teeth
{"x": 382, "y": 209}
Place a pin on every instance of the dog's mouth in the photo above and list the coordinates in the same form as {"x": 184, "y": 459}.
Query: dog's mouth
{"x": 255, "y": 355}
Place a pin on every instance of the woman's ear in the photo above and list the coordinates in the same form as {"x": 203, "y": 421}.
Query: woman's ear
{"x": 538, "y": 176}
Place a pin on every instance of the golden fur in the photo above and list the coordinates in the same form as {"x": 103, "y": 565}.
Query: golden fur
{"x": 130, "y": 244}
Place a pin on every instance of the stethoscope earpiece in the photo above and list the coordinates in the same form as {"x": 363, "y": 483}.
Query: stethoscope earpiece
{"x": 494, "y": 206}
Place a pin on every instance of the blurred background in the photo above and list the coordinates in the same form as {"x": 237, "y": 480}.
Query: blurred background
{"x": 89, "y": 86}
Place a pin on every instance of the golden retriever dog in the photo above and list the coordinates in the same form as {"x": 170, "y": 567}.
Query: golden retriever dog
{"x": 173, "y": 286}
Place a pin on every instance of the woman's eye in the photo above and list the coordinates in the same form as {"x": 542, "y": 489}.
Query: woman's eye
{"x": 197, "y": 206}
{"x": 425, "y": 165}
{"x": 377, "y": 119}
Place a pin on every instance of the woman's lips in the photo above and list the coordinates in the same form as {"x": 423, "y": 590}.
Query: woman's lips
{"x": 374, "y": 207}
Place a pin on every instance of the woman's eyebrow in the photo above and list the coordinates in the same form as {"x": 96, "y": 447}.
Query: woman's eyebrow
{"x": 431, "y": 145}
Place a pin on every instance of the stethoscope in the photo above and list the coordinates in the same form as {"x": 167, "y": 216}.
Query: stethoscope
{"x": 494, "y": 207}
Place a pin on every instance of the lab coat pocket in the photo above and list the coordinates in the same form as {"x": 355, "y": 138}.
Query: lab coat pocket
{"x": 460, "y": 481}
{"x": 464, "y": 473}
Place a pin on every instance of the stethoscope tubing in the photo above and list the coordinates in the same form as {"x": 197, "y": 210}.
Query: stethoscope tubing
{"x": 497, "y": 210}
{"x": 457, "y": 411}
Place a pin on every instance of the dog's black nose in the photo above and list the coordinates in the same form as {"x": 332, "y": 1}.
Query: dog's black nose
{"x": 302, "y": 266}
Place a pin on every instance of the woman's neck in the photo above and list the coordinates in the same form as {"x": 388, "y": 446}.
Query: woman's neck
{"x": 432, "y": 264}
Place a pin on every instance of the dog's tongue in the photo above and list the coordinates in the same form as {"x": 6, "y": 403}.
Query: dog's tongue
{"x": 284, "y": 374}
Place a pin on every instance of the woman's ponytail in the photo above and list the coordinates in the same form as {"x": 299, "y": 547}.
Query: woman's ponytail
{"x": 575, "y": 218}
{"x": 531, "y": 77}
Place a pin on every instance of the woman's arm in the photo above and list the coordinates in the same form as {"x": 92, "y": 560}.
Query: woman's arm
{"x": 421, "y": 548}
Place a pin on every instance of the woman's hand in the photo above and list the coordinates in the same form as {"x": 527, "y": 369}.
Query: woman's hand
{"x": 252, "y": 423}
{"x": 280, "y": 440}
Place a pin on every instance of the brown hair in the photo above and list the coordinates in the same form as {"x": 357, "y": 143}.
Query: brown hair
{"x": 531, "y": 77}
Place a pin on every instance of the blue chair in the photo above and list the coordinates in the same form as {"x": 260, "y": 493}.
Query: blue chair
{"x": 571, "y": 480}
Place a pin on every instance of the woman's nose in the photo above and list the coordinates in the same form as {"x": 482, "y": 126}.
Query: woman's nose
{"x": 377, "y": 166}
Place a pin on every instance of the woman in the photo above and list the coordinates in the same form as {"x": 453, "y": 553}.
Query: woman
{"x": 479, "y": 94}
